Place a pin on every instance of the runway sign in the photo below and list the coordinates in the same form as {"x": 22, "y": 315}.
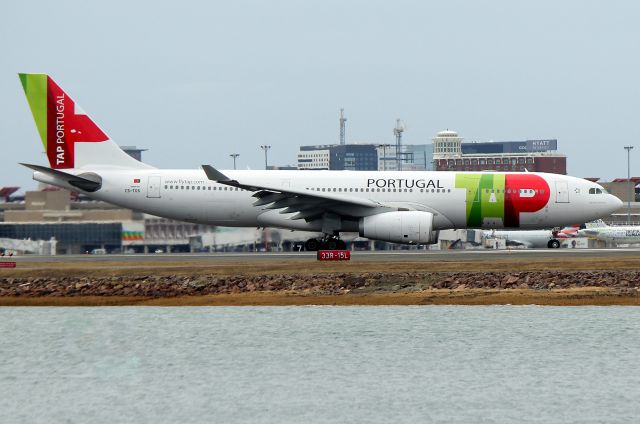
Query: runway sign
{"x": 334, "y": 255}
{"x": 7, "y": 264}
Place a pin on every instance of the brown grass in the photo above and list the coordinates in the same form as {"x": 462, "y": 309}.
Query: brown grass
{"x": 257, "y": 266}
{"x": 564, "y": 297}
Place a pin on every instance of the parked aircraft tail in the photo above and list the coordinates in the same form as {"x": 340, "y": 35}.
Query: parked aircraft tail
{"x": 71, "y": 139}
{"x": 596, "y": 224}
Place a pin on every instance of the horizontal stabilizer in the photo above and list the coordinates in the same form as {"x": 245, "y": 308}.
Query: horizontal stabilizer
{"x": 77, "y": 181}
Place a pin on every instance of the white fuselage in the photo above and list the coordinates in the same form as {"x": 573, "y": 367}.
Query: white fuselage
{"x": 457, "y": 199}
{"x": 527, "y": 238}
{"x": 622, "y": 234}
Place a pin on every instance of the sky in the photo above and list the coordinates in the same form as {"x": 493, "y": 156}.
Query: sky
{"x": 196, "y": 81}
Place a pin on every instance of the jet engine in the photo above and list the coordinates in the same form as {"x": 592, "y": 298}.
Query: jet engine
{"x": 409, "y": 227}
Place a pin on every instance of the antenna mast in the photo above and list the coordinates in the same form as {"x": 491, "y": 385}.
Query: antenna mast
{"x": 343, "y": 120}
{"x": 397, "y": 131}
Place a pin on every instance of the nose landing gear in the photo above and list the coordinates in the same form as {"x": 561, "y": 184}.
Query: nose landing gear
{"x": 326, "y": 243}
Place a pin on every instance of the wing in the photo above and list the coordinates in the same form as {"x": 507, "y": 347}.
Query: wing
{"x": 305, "y": 204}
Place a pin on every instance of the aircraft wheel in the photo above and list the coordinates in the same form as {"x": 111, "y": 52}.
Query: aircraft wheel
{"x": 311, "y": 245}
{"x": 342, "y": 245}
{"x": 331, "y": 244}
{"x": 553, "y": 244}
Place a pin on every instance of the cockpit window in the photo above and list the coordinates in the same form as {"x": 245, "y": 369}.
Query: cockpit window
{"x": 595, "y": 190}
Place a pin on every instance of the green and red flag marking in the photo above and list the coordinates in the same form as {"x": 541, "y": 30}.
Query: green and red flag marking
{"x": 502, "y": 197}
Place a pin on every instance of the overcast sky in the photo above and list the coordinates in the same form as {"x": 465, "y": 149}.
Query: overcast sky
{"x": 196, "y": 81}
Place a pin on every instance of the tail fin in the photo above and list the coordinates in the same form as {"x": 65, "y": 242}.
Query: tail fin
{"x": 70, "y": 138}
{"x": 596, "y": 224}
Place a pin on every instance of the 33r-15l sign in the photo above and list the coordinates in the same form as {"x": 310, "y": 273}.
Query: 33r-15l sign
{"x": 334, "y": 255}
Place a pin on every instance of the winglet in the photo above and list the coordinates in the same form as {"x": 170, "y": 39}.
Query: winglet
{"x": 213, "y": 174}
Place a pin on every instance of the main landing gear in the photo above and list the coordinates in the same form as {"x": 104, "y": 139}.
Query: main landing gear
{"x": 553, "y": 244}
{"x": 326, "y": 243}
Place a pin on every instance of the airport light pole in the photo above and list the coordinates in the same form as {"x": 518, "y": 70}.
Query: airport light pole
{"x": 631, "y": 191}
{"x": 266, "y": 150}
{"x": 234, "y": 156}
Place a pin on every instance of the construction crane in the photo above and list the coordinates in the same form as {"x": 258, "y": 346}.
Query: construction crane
{"x": 397, "y": 131}
{"x": 343, "y": 120}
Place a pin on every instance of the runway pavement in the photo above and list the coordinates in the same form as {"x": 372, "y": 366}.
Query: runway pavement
{"x": 358, "y": 256}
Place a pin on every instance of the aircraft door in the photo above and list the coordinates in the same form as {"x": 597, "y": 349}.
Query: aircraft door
{"x": 562, "y": 192}
{"x": 153, "y": 186}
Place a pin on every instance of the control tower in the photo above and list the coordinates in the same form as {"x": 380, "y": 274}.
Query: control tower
{"x": 447, "y": 145}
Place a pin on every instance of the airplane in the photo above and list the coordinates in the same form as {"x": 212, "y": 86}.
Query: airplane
{"x": 534, "y": 238}
{"x": 627, "y": 234}
{"x": 400, "y": 207}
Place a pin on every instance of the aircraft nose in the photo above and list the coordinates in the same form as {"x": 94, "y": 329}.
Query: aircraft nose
{"x": 615, "y": 203}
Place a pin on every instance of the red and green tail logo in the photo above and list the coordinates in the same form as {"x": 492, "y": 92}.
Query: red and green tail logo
{"x": 60, "y": 122}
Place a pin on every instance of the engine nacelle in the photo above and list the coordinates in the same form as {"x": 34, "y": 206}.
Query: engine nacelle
{"x": 410, "y": 227}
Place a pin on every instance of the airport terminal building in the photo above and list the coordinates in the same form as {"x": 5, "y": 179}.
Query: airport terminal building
{"x": 365, "y": 157}
{"x": 450, "y": 153}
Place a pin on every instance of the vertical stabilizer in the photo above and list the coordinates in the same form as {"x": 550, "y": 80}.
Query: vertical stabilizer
{"x": 70, "y": 137}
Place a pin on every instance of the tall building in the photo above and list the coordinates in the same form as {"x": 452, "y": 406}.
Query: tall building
{"x": 354, "y": 157}
{"x": 314, "y": 157}
{"x": 447, "y": 145}
{"x": 415, "y": 157}
{"x": 451, "y": 154}
{"x": 365, "y": 157}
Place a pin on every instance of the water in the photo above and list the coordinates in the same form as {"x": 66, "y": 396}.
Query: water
{"x": 497, "y": 364}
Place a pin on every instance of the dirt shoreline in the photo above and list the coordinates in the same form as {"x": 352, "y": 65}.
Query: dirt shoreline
{"x": 293, "y": 286}
{"x": 559, "y": 297}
